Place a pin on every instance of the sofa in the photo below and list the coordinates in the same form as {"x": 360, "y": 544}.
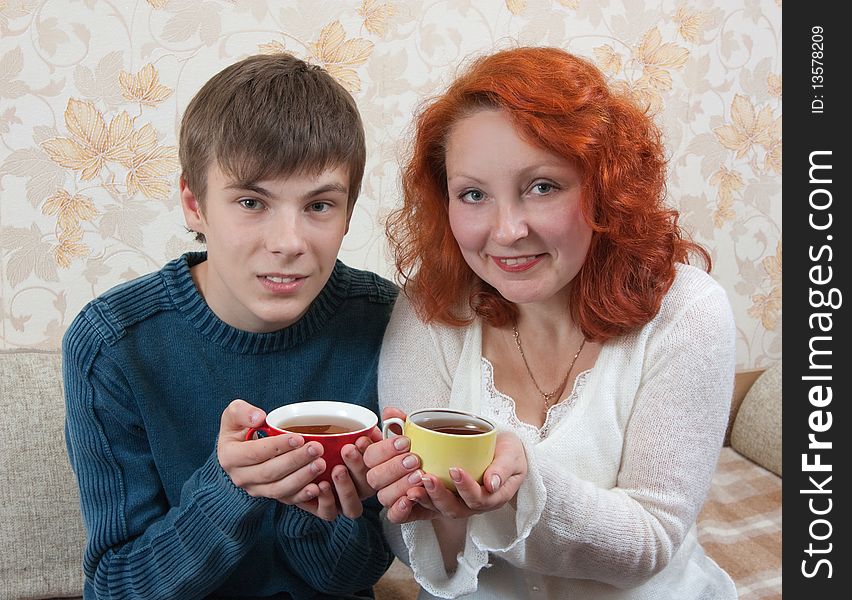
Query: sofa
{"x": 41, "y": 534}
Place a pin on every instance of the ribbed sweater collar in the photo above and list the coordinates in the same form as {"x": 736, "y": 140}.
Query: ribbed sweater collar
{"x": 186, "y": 297}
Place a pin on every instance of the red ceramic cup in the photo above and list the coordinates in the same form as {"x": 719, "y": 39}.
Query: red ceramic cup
{"x": 332, "y": 424}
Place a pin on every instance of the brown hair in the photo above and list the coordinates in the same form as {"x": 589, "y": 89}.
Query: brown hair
{"x": 271, "y": 116}
{"x": 561, "y": 103}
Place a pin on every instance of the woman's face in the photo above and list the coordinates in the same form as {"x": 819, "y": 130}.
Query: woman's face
{"x": 514, "y": 210}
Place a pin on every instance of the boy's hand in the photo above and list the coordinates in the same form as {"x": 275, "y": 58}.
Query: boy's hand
{"x": 350, "y": 484}
{"x": 280, "y": 467}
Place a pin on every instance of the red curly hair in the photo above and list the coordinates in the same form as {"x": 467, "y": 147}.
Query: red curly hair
{"x": 560, "y": 103}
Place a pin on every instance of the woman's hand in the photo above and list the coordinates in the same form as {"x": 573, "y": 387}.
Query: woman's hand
{"x": 393, "y": 472}
{"x": 501, "y": 482}
{"x": 409, "y": 494}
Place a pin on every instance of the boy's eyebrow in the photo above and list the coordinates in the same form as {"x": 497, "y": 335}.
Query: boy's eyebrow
{"x": 259, "y": 189}
{"x": 328, "y": 187}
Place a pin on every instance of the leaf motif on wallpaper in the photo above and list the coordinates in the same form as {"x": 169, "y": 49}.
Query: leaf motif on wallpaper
{"x": 658, "y": 58}
{"x": 516, "y": 7}
{"x": 70, "y": 210}
{"x": 690, "y": 24}
{"x": 70, "y": 247}
{"x": 728, "y": 183}
{"x": 376, "y": 15}
{"x": 773, "y": 85}
{"x": 191, "y": 17}
{"x": 150, "y": 165}
{"x": 340, "y": 56}
{"x": 125, "y": 222}
{"x": 156, "y": 4}
{"x": 11, "y": 65}
{"x": 9, "y": 118}
{"x": 772, "y": 160}
{"x": 273, "y": 47}
{"x": 44, "y": 176}
{"x": 575, "y": 4}
{"x": 652, "y": 51}
{"x": 92, "y": 143}
{"x": 28, "y": 253}
{"x": 143, "y": 87}
{"x": 767, "y": 308}
{"x": 607, "y": 59}
{"x": 748, "y": 129}
{"x": 95, "y": 268}
{"x": 50, "y": 37}
{"x": 100, "y": 84}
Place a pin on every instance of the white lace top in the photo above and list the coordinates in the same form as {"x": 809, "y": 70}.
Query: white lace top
{"x": 500, "y": 408}
{"x": 617, "y": 473}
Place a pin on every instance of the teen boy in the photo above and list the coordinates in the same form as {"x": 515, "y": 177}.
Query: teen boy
{"x": 176, "y": 504}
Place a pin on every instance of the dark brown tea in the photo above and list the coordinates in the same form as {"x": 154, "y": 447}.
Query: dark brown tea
{"x": 454, "y": 426}
{"x": 320, "y": 426}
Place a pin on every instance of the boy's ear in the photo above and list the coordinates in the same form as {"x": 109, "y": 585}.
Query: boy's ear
{"x": 191, "y": 206}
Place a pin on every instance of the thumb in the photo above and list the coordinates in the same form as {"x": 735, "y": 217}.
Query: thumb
{"x": 239, "y": 416}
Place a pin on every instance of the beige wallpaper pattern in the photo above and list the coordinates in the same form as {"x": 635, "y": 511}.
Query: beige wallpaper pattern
{"x": 91, "y": 92}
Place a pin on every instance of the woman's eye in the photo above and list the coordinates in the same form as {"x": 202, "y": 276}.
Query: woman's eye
{"x": 542, "y": 188}
{"x": 250, "y": 203}
{"x": 472, "y": 196}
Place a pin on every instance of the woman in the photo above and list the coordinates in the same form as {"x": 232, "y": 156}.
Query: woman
{"x": 547, "y": 288}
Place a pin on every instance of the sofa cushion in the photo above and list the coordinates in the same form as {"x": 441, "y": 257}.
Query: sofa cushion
{"x": 757, "y": 429}
{"x": 740, "y": 525}
{"x": 41, "y": 531}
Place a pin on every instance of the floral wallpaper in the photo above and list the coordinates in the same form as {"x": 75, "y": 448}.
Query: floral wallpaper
{"x": 91, "y": 94}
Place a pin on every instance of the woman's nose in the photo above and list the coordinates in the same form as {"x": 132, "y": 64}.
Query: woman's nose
{"x": 511, "y": 223}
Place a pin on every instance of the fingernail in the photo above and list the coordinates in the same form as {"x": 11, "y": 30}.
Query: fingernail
{"x": 402, "y": 504}
{"x": 410, "y": 461}
{"x": 254, "y": 419}
{"x": 401, "y": 443}
{"x": 316, "y": 467}
{"x": 495, "y": 483}
{"x": 428, "y": 483}
{"x": 313, "y": 450}
{"x": 294, "y": 442}
{"x": 455, "y": 474}
{"x": 415, "y": 477}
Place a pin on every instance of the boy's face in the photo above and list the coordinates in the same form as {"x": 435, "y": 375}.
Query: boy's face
{"x": 271, "y": 245}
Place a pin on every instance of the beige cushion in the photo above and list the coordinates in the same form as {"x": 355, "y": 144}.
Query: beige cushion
{"x": 41, "y": 531}
{"x": 757, "y": 428}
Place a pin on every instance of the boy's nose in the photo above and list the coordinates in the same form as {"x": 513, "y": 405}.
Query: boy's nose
{"x": 285, "y": 235}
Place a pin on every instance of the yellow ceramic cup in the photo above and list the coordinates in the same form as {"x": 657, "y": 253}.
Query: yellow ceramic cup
{"x": 445, "y": 438}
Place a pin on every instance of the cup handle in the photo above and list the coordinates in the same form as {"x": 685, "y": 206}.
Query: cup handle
{"x": 256, "y": 433}
{"x": 386, "y": 431}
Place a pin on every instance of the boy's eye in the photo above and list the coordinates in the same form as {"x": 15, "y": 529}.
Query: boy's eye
{"x": 320, "y": 207}
{"x": 472, "y": 196}
{"x": 250, "y": 203}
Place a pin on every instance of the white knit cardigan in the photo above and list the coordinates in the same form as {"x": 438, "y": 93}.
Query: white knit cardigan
{"x": 617, "y": 474}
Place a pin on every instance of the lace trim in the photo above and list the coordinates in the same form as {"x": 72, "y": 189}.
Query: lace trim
{"x": 503, "y": 405}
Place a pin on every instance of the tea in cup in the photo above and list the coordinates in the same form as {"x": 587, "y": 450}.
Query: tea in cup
{"x": 332, "y": 424}
{"x": 445, "y": 438}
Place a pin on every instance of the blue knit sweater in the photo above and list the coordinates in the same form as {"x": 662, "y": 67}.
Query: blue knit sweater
{"x": 148, "y": 370}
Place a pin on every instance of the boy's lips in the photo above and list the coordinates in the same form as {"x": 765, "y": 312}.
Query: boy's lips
{"x": 282, "y": 283}
{"x": 517, "y": 264}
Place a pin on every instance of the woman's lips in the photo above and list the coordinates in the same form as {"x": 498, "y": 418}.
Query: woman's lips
{"x": 517, "y": 264}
